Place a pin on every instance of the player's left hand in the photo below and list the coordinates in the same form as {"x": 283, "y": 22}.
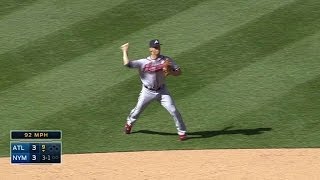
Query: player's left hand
{"x": 167, "y": 67}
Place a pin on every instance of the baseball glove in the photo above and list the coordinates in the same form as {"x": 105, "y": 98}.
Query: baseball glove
{"x": 167, "y": 68}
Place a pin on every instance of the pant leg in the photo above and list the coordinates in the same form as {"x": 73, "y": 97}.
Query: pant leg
{"x": 167, "y": 102}
{"x": 144, "y": 100}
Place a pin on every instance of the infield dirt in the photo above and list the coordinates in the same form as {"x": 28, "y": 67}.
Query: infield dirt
{"x": 183, "y": 164}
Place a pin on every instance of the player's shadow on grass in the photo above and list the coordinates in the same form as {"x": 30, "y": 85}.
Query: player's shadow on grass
{"x": 208, "y": 134}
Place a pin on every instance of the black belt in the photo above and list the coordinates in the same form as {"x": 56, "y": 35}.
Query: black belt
{"x": 152, "y": 89}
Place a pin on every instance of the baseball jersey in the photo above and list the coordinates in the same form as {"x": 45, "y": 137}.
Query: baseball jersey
{"x": 150, "y": 70}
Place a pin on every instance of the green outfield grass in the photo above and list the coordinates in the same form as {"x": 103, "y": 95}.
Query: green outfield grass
{"x": 251, "y": 72}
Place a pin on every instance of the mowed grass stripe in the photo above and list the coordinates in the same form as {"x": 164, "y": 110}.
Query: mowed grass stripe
{"x": 192, "y": 28}
{"x": 81, "y": 38}
{"x": 46, "y": 17}
{"x": 9, "y": 6}
{"x": 255, "y": 85}
{"x": 74, "y": 82}
{"x": 248, "y": 43}
{"x": 293, "y": 118}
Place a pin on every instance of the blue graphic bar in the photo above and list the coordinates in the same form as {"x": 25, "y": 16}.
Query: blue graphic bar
{"x": 36, "y": 134}
{"x": 35, "y": 152}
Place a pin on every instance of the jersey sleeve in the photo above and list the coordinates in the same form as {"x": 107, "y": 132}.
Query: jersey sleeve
{"x": 175, "y": 66}
{"x": 135, "y": 63}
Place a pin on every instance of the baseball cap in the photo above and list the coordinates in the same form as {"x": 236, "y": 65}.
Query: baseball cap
{"x": 154, "y": 43}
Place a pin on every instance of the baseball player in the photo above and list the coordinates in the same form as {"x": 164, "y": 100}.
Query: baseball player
{"x": 153, "y": 70}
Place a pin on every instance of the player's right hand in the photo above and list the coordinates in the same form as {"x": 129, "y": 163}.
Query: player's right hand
{"x": 125, "y": 47}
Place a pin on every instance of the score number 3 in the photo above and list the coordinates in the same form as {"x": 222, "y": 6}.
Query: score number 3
{"x": 34, "y": 157}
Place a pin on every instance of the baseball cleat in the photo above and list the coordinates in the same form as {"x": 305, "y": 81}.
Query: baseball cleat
{"x": 127, "y": 128}
{"x": 183, "y": 137}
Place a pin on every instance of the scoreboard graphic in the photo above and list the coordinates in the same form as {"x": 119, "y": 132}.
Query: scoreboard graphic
{"x": 36, "y": 146}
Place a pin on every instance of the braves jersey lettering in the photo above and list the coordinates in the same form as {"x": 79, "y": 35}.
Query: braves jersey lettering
{"x": 152, "y": 68}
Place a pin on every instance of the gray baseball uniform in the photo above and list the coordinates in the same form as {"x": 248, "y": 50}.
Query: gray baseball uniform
{"x": 154, "y": 88}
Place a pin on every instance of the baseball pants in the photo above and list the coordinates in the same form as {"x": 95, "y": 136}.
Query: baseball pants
{"x": 163, "y": 96}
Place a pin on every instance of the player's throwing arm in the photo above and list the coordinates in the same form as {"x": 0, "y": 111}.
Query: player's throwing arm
{"x": 124, "y": 48}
